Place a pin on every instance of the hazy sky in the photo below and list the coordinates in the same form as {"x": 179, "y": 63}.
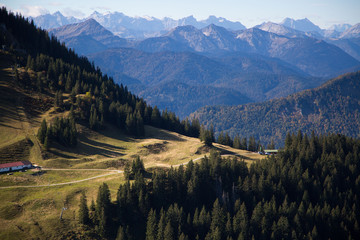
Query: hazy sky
{"x": 249, "y": 12}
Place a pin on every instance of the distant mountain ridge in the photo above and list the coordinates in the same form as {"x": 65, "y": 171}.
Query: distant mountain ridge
{"x": 304, "y": 25}
{"x": 54, "y": 20}
{"x": 134, "y": 27}
{"x": 146, "y": 27}
{"x": 333, "y": 107}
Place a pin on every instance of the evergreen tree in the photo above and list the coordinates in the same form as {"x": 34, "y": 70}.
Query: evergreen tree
{"x": 127, "y": 171}
{"x": 237, "y": 143}
{"x": 121, "y": 234}
{"x": 206, "y": 136}
{"x": 83, "y": 210}
{"x": 94, "y": 119}
{"x": 155, "y": 117}
{"x": 102, "y": 210}
{"x": 42, "y": 131}
{"x": 161, "y": 226}
{"x": 39, "y": 82}
{"x": 169, "y": 232}
{"x": 47, "y": 140}
{"x": 217, "y": 226}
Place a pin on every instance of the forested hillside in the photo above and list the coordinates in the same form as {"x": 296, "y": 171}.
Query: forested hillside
{"x": 91, "y": 97}
{"x": 332, "y": 108}
{"x": 309, "y": 191}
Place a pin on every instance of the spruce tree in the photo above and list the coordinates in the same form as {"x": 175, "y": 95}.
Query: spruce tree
{"x": 217, "y": 220}
{"x": 151, "y": 226}
{"x": 169, "y": 232}
{"x": 102, "y": 210}
{"x": 161, "y": 226}
{"x": 121, "y": 234}
{"x": 39, "y": 83}
{"x": 155, "y": 117}
{"x": 83, "y": 210}
{"x": 42, "y": 131}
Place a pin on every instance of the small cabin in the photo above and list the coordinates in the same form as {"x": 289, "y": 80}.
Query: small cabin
{"x": 14, "y": 166}
{"x": 271, "y": 151}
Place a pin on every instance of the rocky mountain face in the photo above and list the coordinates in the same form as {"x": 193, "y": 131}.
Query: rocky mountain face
{"x": 352, "y": 32}
{"x": 55, "y": 20}
{"x": 88, "y": 37}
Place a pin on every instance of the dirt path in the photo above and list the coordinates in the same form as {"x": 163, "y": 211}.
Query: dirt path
{"x": 71, "y": 182}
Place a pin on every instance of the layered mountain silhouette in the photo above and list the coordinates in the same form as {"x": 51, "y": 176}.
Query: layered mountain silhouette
{"x": 232, "y": 67}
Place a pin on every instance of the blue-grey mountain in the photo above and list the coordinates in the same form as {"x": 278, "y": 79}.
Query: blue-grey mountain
{"x": 333, "y": 107}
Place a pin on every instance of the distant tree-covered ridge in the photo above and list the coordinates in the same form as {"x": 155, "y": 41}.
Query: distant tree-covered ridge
{"x": 309, "y": 191}
{"x": 333, "y": 107}
{"x": 94, "y": 98}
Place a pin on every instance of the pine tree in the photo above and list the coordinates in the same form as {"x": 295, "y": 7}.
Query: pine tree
{"x": 252, "y": 144}
{"x": 39, "y": 82}
{"x": 28, "y": 62}
{"x": 151, "y": 225}
{"x": 83, "y": 210}
{"x": 155, "y": 117}
{"x": 121, "y": 234}
{"x": 94, "y": 119}
{"x": 169, "y": 232}
{"x": 68, "y": 84}
{"x": 217, "y": 220}
{"x": 183, "y": 237}
{"x": 161, "y": 226}
{"x": 206, "y": 136}
{"x": 228, "y": 226}
{"x": 237, "y": 143}
{"x": 47, "y": 139}
{"x": 127, "y": 171}
{"x": 103, "y": 210}
{"x": 42, "y": 131}
{"x": 59, "y": 102}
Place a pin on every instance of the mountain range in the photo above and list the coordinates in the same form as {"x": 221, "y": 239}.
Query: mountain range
{"x": 134, "y": 27}
{"x": 144, "y": 27}
{"x": 233, "y": 67}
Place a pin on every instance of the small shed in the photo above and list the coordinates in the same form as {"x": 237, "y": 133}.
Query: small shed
{"x": 271, "y": 151}
{"x": 13, "y": 166}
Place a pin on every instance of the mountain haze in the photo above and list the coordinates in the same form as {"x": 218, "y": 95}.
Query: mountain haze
{"x": 87, "y": 37}
{"x": 304, "y": 25}
{"x": 246, "y": 77}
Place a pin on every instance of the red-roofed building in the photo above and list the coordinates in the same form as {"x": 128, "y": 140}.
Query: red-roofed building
{"x": 7, "y": 167}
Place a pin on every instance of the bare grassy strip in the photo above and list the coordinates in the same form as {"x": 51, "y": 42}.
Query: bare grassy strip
{"x": 53, "y": 177}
